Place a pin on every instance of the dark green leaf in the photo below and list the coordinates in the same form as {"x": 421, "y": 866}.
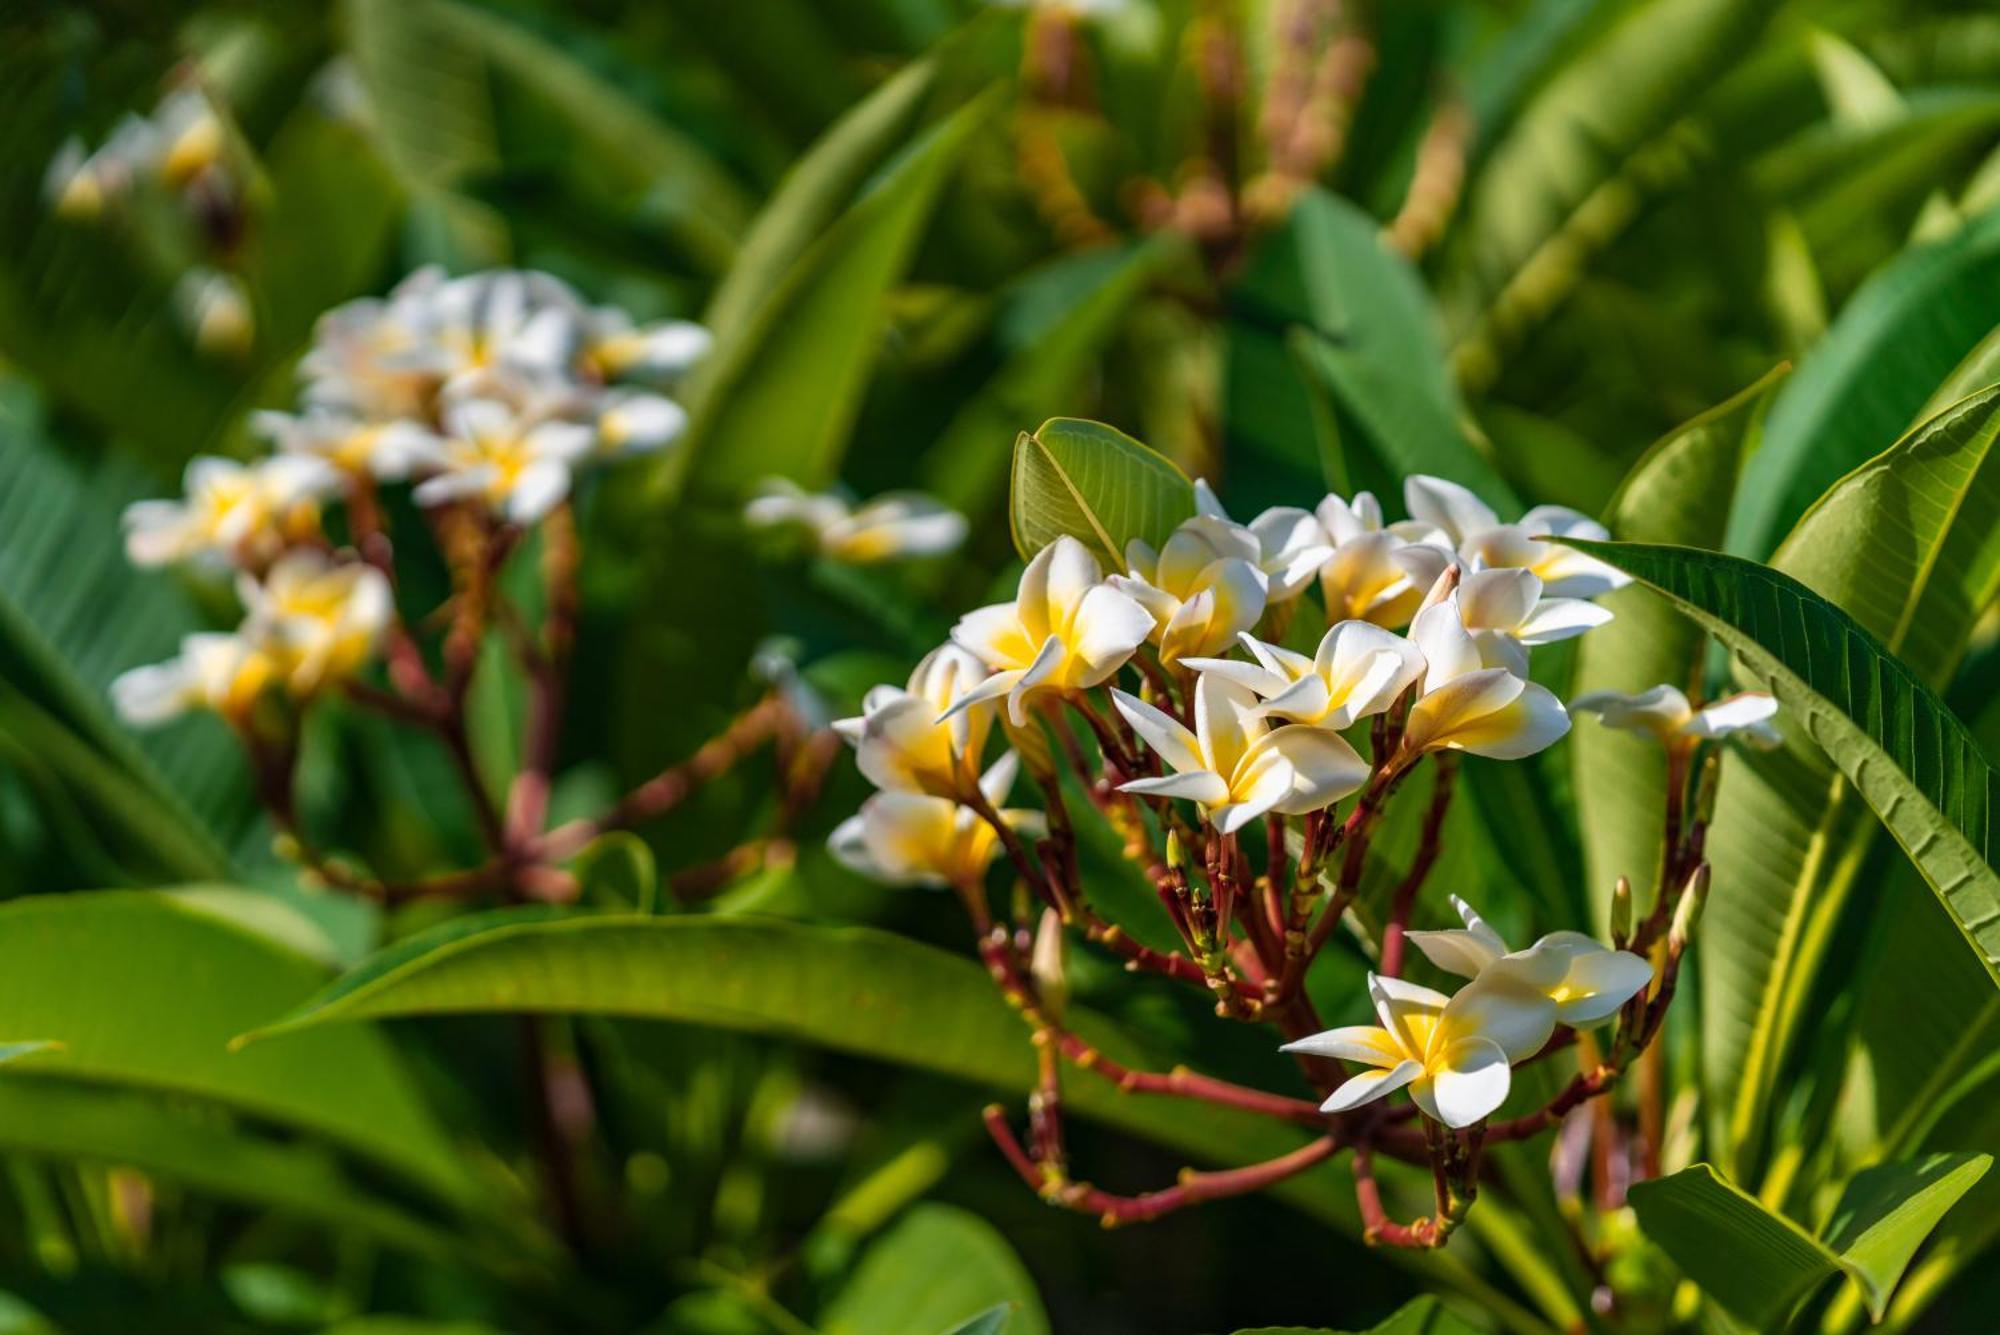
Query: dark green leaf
{"x": 938, "y": 1269}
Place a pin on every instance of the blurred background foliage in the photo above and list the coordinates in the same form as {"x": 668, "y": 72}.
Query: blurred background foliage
{"x": 1293, "y": 244}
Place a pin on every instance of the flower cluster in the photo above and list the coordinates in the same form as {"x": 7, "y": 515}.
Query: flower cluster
{"x": 488, "y": 392}
{"x": 183, "y": 146}
{"x": 1221, "y": 724}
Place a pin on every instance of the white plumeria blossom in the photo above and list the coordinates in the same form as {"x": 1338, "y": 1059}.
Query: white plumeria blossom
{"x": 633, "y": 421}
{"x": 321, "y": 620}
{"x": 1465, "y": 704}
{"x": 901, "y": 744}
{"x": 514, "y": 460}
{"x": 893, "y": 526}
{"x": 231, "y": 511}
{"x": 383, "y": 450}
{"x": 905, "y": 838}
{"x": 1483, "y": 542}
{"x": 1581, "y": 982}
{"x": 190, "y": 135}
{"x": 1066, "y": 630}
{"x": 1367, "y": 576}
{"x": 215, "y": 311}
{"x": 1664, "y": 712}
{"x": 1507, "y": 615}
{"x": 378, "y": 359}
{"x": 1358, "y": 671}
{"x": 214, "y": 670}
{"x": 1291, "y": 546}
{"x": 1234, "y": 765}
{"x": 1454, "y": 1054}
{"x": 1203, "y": 587}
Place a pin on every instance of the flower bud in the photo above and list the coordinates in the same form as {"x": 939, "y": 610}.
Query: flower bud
{"x": 1176, "y": 855}
{"x": 1688, "y": 913}
{"x": 1446, "y": 585}
{"x": 1046, "y": 965}
{"x": 1621, "y": 911}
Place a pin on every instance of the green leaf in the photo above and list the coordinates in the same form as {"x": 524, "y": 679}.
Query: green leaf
{"x": 966, "y": 467}
{"x": 14, "y": 1051}
{"x": 144, "y": 992}
{"x": 618, "y": 154}
{"x": 779, "y": 393}
{"x": 62, "y": 1120}
{"x": 1759, "y": 1265}
{"x": 1529, "y": 224}
{"x": 938, "y": 1268}
{"x": 1904, "y": 751}
{"x": 617, "y": 871}
{"x": 989, "y": 1322}
{"x": 1676, "y": 494}
{"x": 1420, "y": 1316}
{"x": 814, "y": 192}
{"x": 1363, "y": 325}
{"x": 1910, "y": 545}
{"x": 1096, "y": 484}
{"x": 1900, "y": 335}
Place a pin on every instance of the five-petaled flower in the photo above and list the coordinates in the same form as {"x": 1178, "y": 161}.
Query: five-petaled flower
{"x": 1358, "y": 671}
{"x": 1291, "y": 546}
{"x": 1203, "y": 587}
{"x": 908, "y": 838}
{"x": 513, "y": 457}
{"x": 1464, "y": 704}
{"x": 1234, "y": 765}
{"x": 1483, "y": 542}
{"x": 1665, "y": 713}
{"x": 902, "y": 744}
{"x": 232, "y": 512}
{"x": 893, "y": 526}
{"x": 1066, "y": 630}
{"x": 1371, "y": 575}
{"x": 1566, "y": 975}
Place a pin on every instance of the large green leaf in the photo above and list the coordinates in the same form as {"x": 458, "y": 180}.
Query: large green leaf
{"x": 780, "y": 392}
{"x": 1364, "y": 327}
{"x": 1904, "y": 751}
{"x": 145, "y": 991}
{"x": 1616, "y": 96}
{"x": 1676, "y": 494}
{"x": 1096, "y": 484}
{"x": 61, "y": 1120}
{"x": 1759, "y": 1265}
{"x": 1899, "y": 336}
{"x": 852, "y": 989}
{"x": 939, "y": 1266}
{"x": 1910, "y": 545}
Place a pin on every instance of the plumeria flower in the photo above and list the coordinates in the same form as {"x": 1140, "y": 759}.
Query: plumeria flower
{"x": 1358, "y": 671}
{"x": 515, "y": 459}
{"x": 1234, "y": 765}
{"x": 190, "y": 136}
{"x": 1203, "y": 587}
{"x": 508, "y": 320}
{"x": 214, "y": 670}
{"x": 1665, "y": 713}
{"x": 245, "y": 513}
{"x": 906, "y": 838}
{"x": 631, "y": 421}
{"x": 900, "y": 742}
{"x": 215, "y": 311}
{"x": 1507, "y": 615}
{"x": 376, "y": 359}
{"x": 1367, "y": 576}
{"x": 1464, "y": 704}
{"x": 1483, "y": 542}
{"x": 1291, "y": 546}
{"x": 892, "y": 526}
{"x": 1454, "y": 1054}
{"x": 383, "y": 450}
{"x": 321, "y": 620}
{"x": 605, "y": 344}
{"x": 1066, "y": 630}
{"x": 1582, "y": 982}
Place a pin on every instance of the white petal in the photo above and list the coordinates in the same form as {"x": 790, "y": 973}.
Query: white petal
{"x": 1448, "y": 648}
{"x": 1455, "y": 951}
{"x": 1371, "y": 1045}
{"x": 1367, "y": 1086}
{"x": 1498, "y": 599}
{"x": 1600, "y": 982}
{"x": 1560, "y": 619}
{"x": 992, "y": 688}
{"x": 1513, "y": 1015}
{"x": 1319, "y": 768}
{"x": 1433, "y": 500}
{"x": 1166, "y": 735}
{"x": 1734, "y": 714}
{"x": 537, "y": 490}
{"x": 1471, "y": 1084}
{"x": 1109, "y": 626}
{"x": 1203, "y": 786}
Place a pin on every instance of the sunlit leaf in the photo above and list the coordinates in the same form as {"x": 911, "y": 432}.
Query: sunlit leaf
{"x": 1095, "y": 484}
{"x": 938, "y": 1267}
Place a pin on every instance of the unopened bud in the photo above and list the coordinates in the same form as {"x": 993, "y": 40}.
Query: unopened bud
{"x": 1688, "y": 913}
{"x": 1176, "y": 855}
{"x": 1704, "y": 789}
{"x": 1621, "y": 911}
{"x": 1046, "y": 965}
{"x": 1445, "y": 585}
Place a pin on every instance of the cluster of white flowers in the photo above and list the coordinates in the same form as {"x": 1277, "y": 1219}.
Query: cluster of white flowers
{"x": 487, "y": 391}
{"x": 183, "y": 146}
{"x": 1433, "y": 617}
